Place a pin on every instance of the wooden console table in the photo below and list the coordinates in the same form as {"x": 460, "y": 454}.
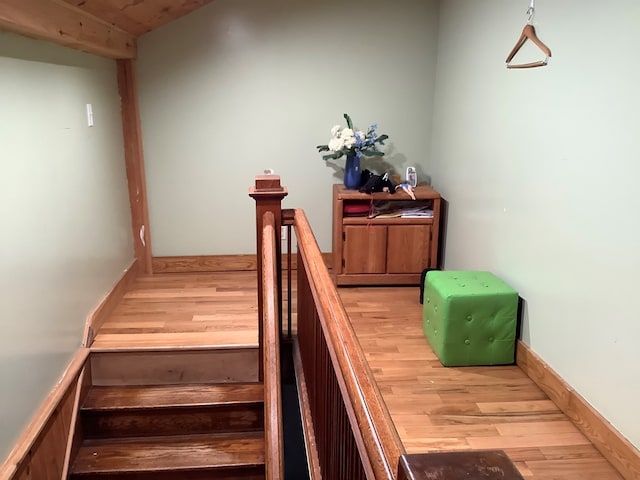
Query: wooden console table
{"x": 383, "y": 251}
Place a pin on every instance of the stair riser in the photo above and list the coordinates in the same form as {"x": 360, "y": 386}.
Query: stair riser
{"x": 172, "y": 421}
{"x": 237, "y": 473}
{"x": 174, "y": 367}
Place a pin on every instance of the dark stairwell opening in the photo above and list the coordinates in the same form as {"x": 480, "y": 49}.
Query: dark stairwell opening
{"x": 295, "y": 457}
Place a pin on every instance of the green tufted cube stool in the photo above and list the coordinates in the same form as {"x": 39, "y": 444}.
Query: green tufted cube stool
{"x": 469, "y": 318}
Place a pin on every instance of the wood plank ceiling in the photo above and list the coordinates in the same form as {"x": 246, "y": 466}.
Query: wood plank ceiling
{"x": 137, "y": 16}
{"x": 104, "y": 27}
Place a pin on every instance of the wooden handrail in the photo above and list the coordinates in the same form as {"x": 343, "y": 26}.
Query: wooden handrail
{"x": 21, "y": 453}
{"x": 271, "y": 351}
{"x": 377, "y": 440}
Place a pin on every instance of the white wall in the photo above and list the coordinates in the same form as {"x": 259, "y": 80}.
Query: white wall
{"x": 240, "y": 86}
{"x": 540, "y": 170}
{"x": 66, "y": 228}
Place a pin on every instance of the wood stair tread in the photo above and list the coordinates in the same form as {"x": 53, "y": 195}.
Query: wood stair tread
{"x": 183, "y": 453}
{"x": 166, "y": 396}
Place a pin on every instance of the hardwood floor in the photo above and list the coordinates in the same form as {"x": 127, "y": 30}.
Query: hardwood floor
{"x": 438, "y": 408}
{"x": 184, "y": 310}
{"x": 434, "y": 408}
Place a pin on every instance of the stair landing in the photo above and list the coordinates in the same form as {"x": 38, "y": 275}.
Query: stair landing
{"x": 218, "y": 309}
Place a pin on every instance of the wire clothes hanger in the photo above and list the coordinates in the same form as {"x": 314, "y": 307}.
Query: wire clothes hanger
{"x": 529, "y": 33}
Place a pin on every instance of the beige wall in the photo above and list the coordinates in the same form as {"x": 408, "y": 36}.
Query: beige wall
{"x": 241, "y": 86}
{"x": 65, "y": 215}
{"x": 540, "y": 169}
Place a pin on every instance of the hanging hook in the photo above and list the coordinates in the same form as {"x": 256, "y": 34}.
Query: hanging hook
{"x": 531, "y": 11}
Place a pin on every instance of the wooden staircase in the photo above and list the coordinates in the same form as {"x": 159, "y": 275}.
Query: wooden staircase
{"x": 159, "y": 430}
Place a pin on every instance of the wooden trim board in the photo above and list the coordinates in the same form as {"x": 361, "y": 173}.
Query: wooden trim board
{"x": 204, "y": 263}
{"x": 40, "y": 450}
{"x": 218, "y": 263}
{"x": 613, "y": 446}
{"x": 98, "y": 316}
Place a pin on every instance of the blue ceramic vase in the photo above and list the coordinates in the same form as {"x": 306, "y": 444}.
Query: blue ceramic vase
{"x": 352, "y": 174}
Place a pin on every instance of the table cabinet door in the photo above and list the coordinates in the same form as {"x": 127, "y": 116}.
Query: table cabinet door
{"x": 408, "y": 248}
{"x": 364, "y": 249}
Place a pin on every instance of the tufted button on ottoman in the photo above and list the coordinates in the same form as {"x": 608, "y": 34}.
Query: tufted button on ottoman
{"x": 469, "y": 318}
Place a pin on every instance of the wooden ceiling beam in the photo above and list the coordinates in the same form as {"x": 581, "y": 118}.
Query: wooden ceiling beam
{"x": 64, "y": 24}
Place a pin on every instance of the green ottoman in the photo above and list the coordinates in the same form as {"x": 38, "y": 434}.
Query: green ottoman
{"x": 470, "y": 318}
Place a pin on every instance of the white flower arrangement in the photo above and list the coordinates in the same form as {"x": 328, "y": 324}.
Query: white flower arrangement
{"x": 350, "y": 142}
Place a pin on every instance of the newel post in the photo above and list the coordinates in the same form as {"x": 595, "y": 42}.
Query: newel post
{"x": 268, "y": 194}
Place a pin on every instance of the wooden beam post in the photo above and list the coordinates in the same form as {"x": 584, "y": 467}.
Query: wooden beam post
{"x": 268, "y": 194}
{"x": 64, "y": 24}
{"x": 134, "y": 159}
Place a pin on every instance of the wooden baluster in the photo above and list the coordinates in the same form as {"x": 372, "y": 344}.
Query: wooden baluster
{"x": 287, "y": 220}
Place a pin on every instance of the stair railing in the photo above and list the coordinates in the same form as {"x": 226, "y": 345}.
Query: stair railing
{"x": 351, "y": 426}
{"x": 348, "y": 430}
{"x": 274, "y": 458}
{"x": 268, "y": 195}
{"x": 349, "y": 433}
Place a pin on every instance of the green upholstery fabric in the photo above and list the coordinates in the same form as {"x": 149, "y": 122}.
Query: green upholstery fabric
{"x": 470, "y": 318}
